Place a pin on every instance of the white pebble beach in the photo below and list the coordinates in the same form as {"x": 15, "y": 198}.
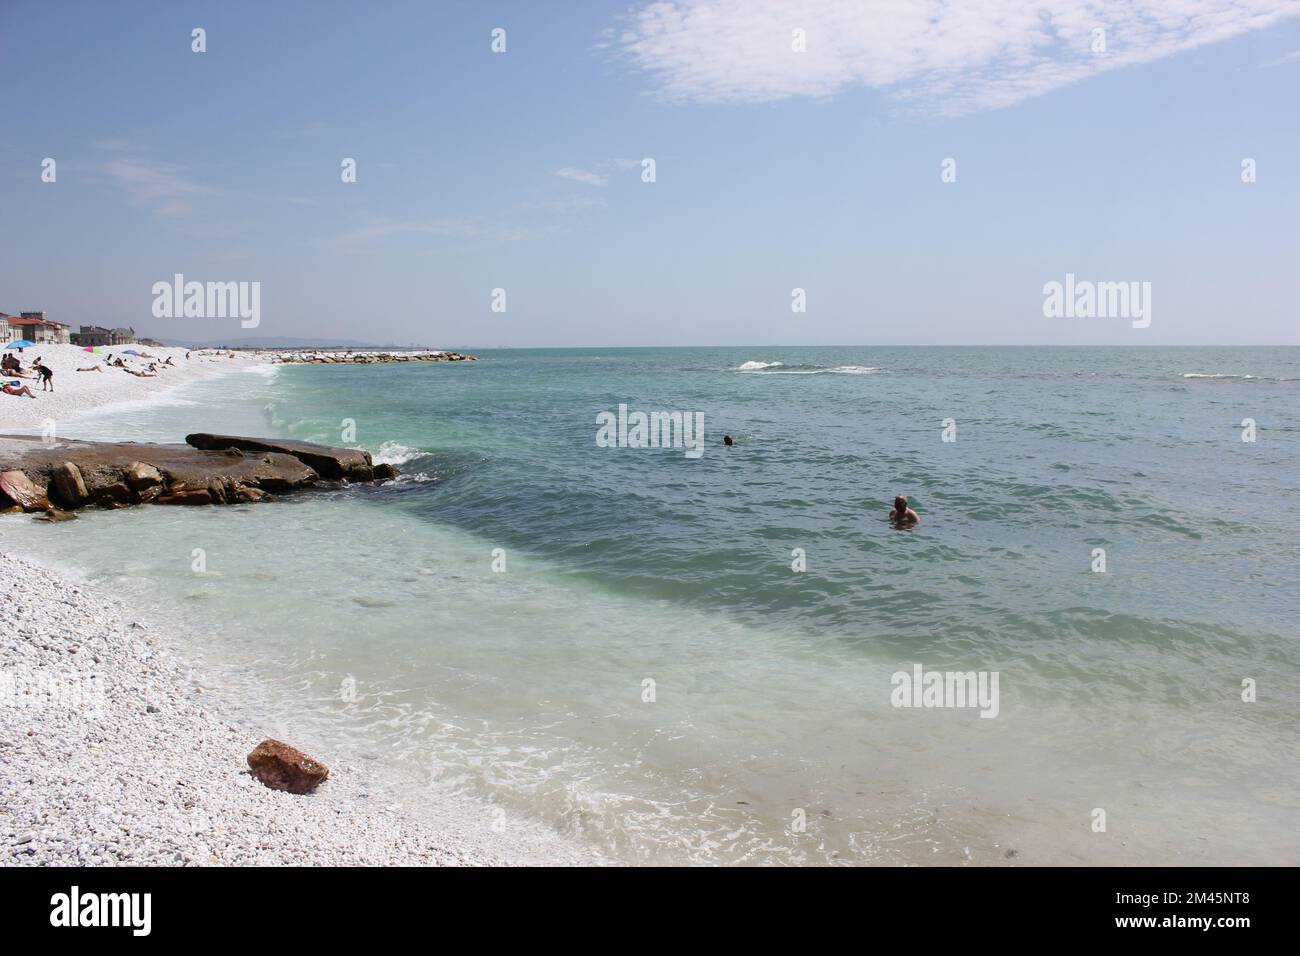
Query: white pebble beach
{"x": 77, "y": 392}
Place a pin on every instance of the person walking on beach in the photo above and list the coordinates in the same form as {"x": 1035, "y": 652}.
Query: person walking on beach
{"x": 47, "y": 375}
{"x": 902, "y": 514}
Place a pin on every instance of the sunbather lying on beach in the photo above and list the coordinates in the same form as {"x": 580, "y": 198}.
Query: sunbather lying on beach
{"x": 902, "y": 514}
{"x": 91, "y": 368}
{"x": 11, "y": 366}
{"x": 10, "y": 389}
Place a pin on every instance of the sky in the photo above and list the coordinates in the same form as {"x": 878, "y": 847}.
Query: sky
{"x": 795, "y": 146}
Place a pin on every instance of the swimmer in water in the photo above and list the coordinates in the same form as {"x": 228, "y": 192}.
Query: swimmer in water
{"x": 728, "y": 440}
{"x": 902, "y": 514}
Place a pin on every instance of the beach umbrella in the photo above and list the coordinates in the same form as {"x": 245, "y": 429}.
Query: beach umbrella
{"x": 93, "y": 348}
{"x": 21, "y": 344}
{"x": 130, "y": 352}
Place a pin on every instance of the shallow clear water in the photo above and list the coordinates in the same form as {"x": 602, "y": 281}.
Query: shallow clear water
{"x": 1119, "y": 691}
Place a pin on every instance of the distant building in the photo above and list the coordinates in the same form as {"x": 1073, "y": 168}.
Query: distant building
{"x": 91, "y": 335}
{"x": 35, "y": 327}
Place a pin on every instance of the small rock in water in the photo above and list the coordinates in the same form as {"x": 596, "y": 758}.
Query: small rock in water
{"x": 282, "y": 767}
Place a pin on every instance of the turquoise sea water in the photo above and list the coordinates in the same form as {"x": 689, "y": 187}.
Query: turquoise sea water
{"x": 371, "y": 621}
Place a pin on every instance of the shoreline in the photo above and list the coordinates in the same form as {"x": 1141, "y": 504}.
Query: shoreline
{"x": 114, "y": 752}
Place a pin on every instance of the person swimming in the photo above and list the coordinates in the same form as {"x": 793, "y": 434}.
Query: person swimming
{"x": 902, "y": 514}
{"x": 728, "y": 440}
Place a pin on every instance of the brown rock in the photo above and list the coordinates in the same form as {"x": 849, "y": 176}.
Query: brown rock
{"x": 117, "y": 492}
{"x": 147, "y": 495}
{"x": 140, "y": 475}
{"x": 383, "y": 471}
{"x": 19, "y": 489}
{"x": 282, "y": 767}
{"x": 199, "y": 496}
{"x": 243, "y": 493}
{"x": 327, "y": 462}
{"x": 217, "y": 490}
{"x": 55, "y": 514}
{"x": 69, "y": 485}
{"x": 130, "y": 472}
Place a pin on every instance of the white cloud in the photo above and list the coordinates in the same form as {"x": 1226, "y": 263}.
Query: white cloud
{"x": 582, "y": 176}
{"x": 946, "y": 56}
{"x": 164, "y": 185}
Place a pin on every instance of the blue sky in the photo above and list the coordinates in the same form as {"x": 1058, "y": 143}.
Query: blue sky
{"x": 775, "y": 169}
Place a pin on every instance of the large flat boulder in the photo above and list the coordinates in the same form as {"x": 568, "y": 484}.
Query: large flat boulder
{"x": 229, "y": 470}
{"x": 351, "y": 463}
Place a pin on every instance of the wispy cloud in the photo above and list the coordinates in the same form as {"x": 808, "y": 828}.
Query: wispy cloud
{"x": 1289, "y": 58}
{"x": 446, "y": 227}
{"x": 165, "y": 186}
{"x": 582, "y": 176}
{"x": 945, "y": 56}
{"x": 570, "y": 205}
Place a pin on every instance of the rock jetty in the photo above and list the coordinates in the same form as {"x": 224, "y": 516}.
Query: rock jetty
{"x": 368, "y": 358}
{"x": 39, "y": 475}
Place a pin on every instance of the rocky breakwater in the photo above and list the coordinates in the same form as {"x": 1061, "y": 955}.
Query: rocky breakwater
{"x": 58, "y": 477}
{"x": 370, "y": 358}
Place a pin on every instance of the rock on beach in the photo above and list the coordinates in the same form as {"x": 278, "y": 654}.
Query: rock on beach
{"x": 282, "y": 767}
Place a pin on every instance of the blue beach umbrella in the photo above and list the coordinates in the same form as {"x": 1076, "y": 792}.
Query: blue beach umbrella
{"x": 130, "y": 352}
{"x": 21, "y": 344}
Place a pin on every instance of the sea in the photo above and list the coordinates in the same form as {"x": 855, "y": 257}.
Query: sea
{"x": 709, "y": 654}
